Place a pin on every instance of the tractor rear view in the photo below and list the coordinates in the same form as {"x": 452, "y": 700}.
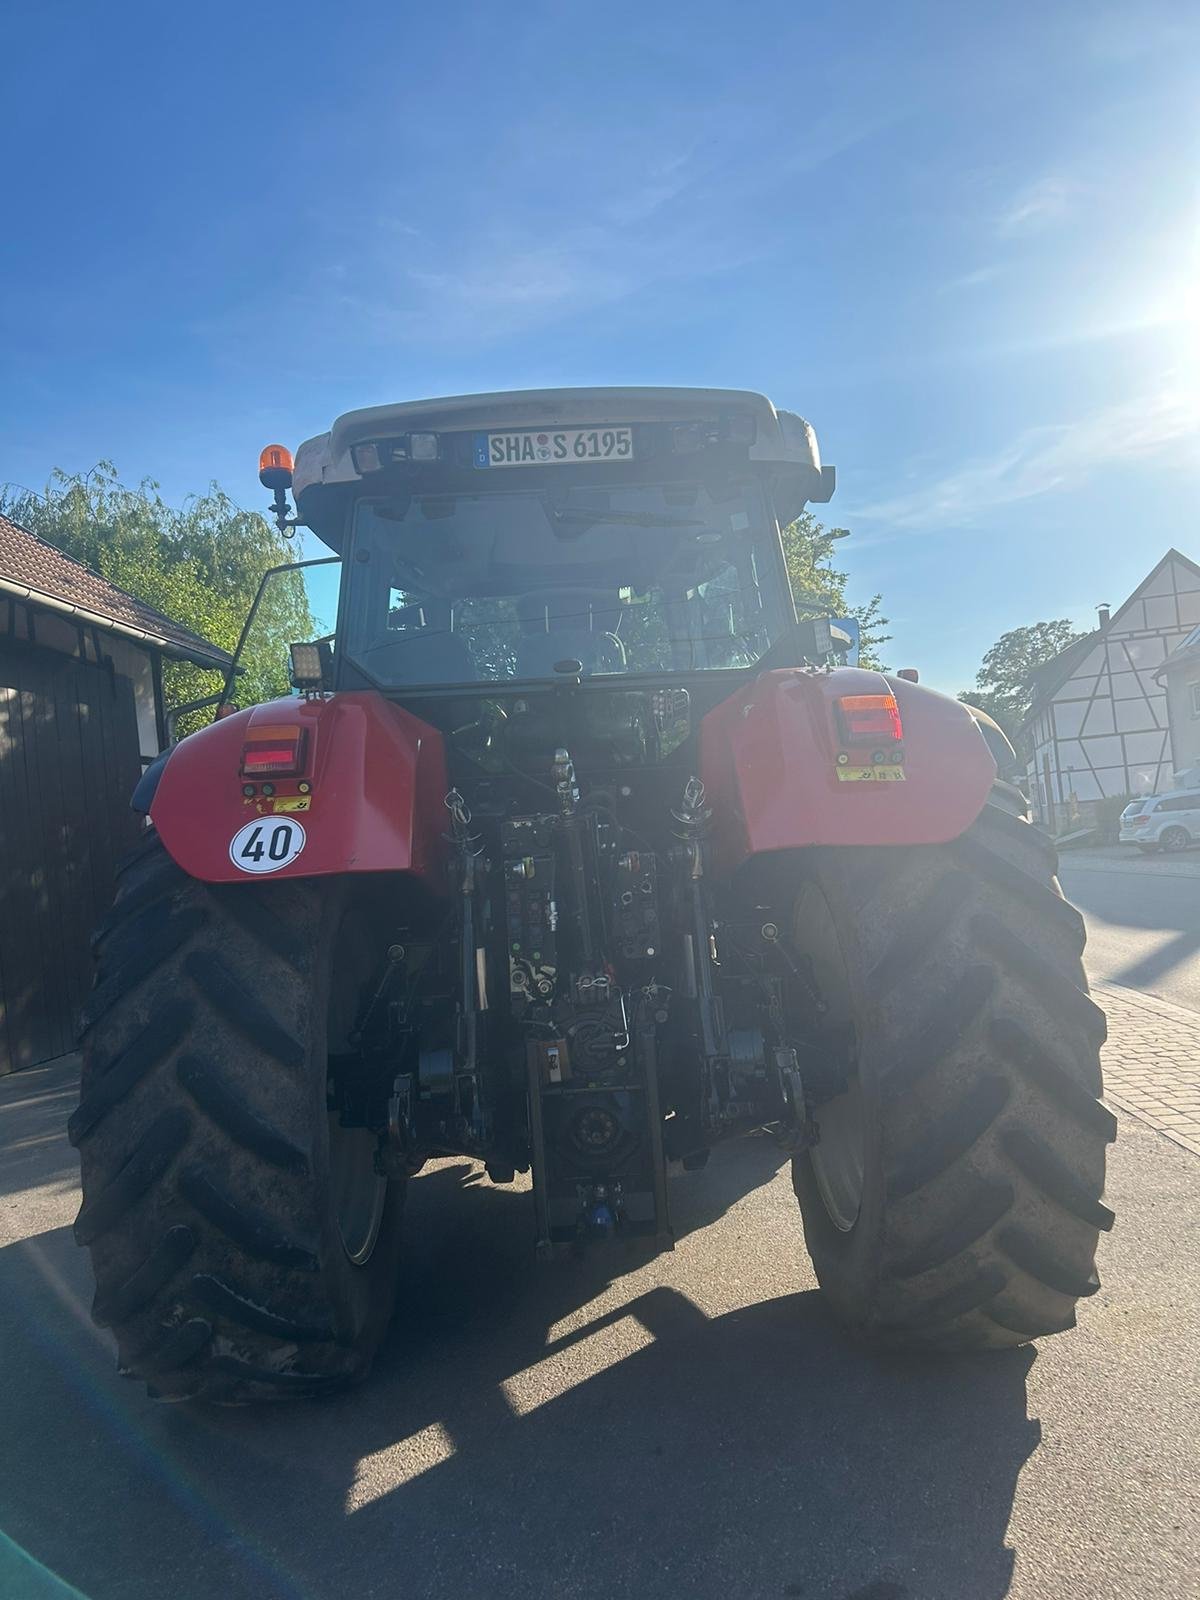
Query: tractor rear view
{"x": 575, "y": 853}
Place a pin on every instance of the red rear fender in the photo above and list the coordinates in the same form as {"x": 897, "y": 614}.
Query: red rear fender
{"x": 770, "y": 758}
{"x": 375, "y": 777}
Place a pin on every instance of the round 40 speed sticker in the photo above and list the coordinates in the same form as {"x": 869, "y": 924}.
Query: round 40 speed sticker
{"x": 266, "y": 844}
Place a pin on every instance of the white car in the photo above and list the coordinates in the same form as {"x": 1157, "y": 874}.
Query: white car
{"x": 1162, "y": 821}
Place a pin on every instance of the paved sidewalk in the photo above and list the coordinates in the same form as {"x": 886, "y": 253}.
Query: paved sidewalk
{"x": 1152, "y": 1061}
{"x": 1128, "y": 858}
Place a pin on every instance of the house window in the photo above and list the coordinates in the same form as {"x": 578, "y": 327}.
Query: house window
{"x": 1195, "y": 699}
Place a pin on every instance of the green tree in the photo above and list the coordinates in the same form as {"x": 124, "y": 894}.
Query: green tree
{"x": 200, "y": 564}
{"x": 820, "y": 587}
{"x": 1005, "y": 684}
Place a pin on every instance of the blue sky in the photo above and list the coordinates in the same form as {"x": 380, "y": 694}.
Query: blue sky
{"x": 962, "y": 240}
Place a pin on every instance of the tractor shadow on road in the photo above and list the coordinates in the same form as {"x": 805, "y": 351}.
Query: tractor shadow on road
{"x": 1125, "y": 903}
{"x": 527, "y": 1432}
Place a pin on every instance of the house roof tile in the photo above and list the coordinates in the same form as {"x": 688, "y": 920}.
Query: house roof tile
{"x": 44, "y": 572}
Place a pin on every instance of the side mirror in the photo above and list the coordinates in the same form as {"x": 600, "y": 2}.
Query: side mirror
{"x": 817, "y": 640}
{"x": 822, "y": 638}
{"x": 798, "y": 486}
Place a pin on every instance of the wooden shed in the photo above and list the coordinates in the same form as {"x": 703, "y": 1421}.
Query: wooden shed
{"x": 81, "y": 714}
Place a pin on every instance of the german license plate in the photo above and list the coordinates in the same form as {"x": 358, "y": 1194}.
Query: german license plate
{"x": 561, "y": 447}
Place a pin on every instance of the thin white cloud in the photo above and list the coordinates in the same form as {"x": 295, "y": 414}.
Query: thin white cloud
{"x": 1044, "y": 461}
{"x": 690, "y": 212}
{"x": 500, "y": 284}
{"x": 664, "y": 181}
{"x": 974, "y": 279}
{"x": 1042, "y": 204}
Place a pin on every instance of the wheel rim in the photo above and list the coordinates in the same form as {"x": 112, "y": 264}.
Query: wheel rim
{"x": 839, "y": 1157}
{"x": 358, "y": 1194}
{"x": 1175, "y": 839}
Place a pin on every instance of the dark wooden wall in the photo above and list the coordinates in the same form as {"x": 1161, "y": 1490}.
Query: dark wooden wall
{"x": 68, "y": 765}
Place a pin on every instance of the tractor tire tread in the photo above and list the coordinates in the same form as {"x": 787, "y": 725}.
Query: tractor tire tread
{"x": 983, "y": 1208}
{"x": 253, "y": 1231}
{"x": 1056, "y": 1080}
{"x": 158, "y": 1147}
{"x": 1042, "y": 898}
{"x": 1058, "y": 990}
{"x": 113, "y": 987}
{"x": 1049, "y": 1173}
{"x": 983, "y": 1045}
{"x": 149, "y": 846}
{"x": 119, "y": 1078}
{"x": 194, "y": 1126}
{"x": 269, "y": 925}
{"x": 168, "y": 1256}
{"x": 995, "y": 827}
{"x": 249, "y": 1016}
{"x": 238, "y": 1306}
{"x": 170, "y": 1348}
{"x": 220, "y": 1100}
{"x": 162, "y": 878}
{"x": 967, "y": 1296}
{"x": 923, "y": 926}
{"x": 1033, "y": 1257}
{"x": 950, "y": 1136}
{"x": 959, "y": 1009}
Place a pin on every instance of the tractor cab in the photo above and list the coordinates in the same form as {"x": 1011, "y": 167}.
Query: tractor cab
{"x": 500, "y": 549}
{"x": 633, "y": 532}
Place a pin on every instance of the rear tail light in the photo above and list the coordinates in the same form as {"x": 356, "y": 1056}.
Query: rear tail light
{"x": 869, "y": 718}
{"x": 1136, "y": 822}
{"x": 273, "y": 753}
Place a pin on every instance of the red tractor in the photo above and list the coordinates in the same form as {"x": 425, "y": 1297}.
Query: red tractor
{"x": 577, "y": 855}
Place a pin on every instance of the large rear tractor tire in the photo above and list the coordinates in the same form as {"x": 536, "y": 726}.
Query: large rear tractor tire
{"x": 242, "y": 1244}
{"x": 954, "y": 1199}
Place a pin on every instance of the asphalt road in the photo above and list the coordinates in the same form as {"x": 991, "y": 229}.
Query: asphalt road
{"x": 695, "y": 1427}
{"x": 1143, "y": 925}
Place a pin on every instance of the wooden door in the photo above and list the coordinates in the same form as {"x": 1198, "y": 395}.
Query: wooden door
{"x": 69, "y": 761}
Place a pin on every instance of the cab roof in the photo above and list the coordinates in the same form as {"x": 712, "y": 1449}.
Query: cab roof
{"x": 781, "y": 437}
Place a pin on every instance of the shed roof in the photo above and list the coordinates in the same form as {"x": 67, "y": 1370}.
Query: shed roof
{"x": 33, "y": 570}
